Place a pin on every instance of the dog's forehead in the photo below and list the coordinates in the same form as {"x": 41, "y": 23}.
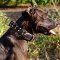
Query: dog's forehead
{"x": 39, "y": 14}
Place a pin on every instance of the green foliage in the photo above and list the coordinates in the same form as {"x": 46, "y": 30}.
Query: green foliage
{"x": 44, "y": 2}
{"x": 35, "y": 46}
{"x": 55, "y": 1}
{"x": 4, "y": 21}
{"x": 1, "y": 2}
{"x": 18, "y": 2}
{"x": 52, "y": 14}
{"x": 11, "y": 3}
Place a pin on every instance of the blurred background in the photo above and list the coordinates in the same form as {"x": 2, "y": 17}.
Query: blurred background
{"x": 22, "y": 2}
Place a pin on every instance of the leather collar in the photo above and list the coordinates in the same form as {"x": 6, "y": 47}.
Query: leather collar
{"x": 16, "y": 30}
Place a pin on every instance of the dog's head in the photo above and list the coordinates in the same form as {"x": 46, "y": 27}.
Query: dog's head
{"x": 40, "y": 21}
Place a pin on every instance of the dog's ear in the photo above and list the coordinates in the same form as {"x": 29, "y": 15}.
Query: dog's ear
{"x": 31, "y": 10}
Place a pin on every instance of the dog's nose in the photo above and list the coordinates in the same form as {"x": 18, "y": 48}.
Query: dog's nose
{"x": 53, "y": 25}
{"x": 56, "y": 23}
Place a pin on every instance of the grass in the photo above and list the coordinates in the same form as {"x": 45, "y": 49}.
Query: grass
{"x": 35, "y": 46}
{"x": 34, "y": 2}
{"x": 4, "y": 21}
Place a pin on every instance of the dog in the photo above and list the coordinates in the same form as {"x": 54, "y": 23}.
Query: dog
{"x": 33, "y": 20}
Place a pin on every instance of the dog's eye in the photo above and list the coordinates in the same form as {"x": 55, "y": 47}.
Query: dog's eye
{"x": 30, "y": 11}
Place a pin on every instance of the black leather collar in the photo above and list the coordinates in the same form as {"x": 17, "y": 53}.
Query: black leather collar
{"x": 16, "y": 30}
{"x": 19, "y": 33}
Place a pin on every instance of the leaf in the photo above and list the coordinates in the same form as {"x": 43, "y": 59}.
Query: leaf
{"x": 4, "y": 22}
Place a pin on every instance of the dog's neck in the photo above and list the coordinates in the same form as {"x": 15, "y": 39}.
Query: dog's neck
{"x": 16, "y": 29}
{"x": 29, "y": 18}
{"x": 25, "y": 22}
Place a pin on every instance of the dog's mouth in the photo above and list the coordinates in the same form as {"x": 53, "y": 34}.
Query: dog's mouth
{"x": 46, "y": 31}
{"x": 52, "y": 32}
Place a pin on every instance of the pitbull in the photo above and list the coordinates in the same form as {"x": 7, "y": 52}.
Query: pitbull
{"x": 33, "y": 20}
